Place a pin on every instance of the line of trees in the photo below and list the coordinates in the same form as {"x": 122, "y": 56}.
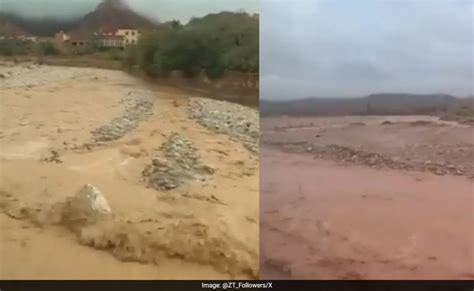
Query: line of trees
{"x": 214, "y": 43}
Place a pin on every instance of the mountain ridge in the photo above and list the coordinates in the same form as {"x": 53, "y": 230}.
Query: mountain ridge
{"x": 111, "y": 15}
{"x": 108, "y": 15}
{"x": 377, "y": 103}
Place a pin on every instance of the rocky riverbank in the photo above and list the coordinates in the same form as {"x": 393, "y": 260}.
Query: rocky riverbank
{"x": 239, "y": 122}
{"x": 177, "y": 162}
{"x": 411, "y": 143}
{"x": 138, "y": 107}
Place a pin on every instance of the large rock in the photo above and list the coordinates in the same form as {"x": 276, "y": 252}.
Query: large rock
{"x": 86, "y": 207}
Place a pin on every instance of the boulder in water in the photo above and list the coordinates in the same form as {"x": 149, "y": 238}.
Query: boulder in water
{"x": 87, "y": 206}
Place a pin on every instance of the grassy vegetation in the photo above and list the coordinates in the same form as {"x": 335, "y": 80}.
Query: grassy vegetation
{"x": 214, "y": 43}
{"x": 18, "y": 47}
{"x": 48, "y": 48}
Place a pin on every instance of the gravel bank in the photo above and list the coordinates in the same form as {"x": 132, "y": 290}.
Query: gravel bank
{"x": 239, "y": 122}
{"x": 177, "y": 162}
{"x": 138, "y": 107}
{"x": 374, "y": 160}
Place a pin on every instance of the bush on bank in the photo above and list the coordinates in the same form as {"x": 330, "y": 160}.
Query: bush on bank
{"x": 214, "y": 43}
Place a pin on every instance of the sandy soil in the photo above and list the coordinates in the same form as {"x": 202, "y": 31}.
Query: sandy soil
{"x": 334, "y": 220}
{"x": 153, "y": 234}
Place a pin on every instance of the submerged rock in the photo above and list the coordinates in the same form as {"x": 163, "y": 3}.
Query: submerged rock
{"x": 87, "y": 206}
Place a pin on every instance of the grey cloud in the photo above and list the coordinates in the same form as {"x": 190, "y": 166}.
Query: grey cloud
{"x": 163, "y": 10}
{"x": 353, "y": 48}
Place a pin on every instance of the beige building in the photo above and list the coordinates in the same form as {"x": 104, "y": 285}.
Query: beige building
{"x": 111, "y": 41}
{"x": 130, "y": 36}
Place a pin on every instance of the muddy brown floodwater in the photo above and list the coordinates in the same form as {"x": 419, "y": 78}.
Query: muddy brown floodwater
{"x": 50, "y": 147}
{"x": 324, "y": 219}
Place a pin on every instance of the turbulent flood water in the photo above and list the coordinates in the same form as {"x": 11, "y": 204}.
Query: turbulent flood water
{"x": 367, "y": 215}
{"x": 62, "y": 128}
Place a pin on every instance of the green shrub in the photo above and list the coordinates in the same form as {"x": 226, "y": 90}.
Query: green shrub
{"x": 116, "y": 55}
{"x": 48, "y": 48}
{"x": 13, "y": 47}
{"x": 214, "y": 43}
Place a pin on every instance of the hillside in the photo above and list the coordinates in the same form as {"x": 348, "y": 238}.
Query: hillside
{"x": 9, "y": 27}
{"x": 315, "y": 106}
{"x": 399, "y": 103}
{"x": 14, "y": 25}
{"x": 374, "y": 104}
{"x": 111, "y": 15}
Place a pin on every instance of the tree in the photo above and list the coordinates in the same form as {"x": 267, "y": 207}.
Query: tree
{"x": 48, "y": 48}
{"x": 214, "y": 43}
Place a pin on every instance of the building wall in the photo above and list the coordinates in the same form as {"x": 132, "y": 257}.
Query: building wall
{"x": 131, "y": 36}
{"x": 77, "y": 42}
{"x": 110, "y": 42}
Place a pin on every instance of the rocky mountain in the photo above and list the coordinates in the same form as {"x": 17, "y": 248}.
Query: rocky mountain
{"x": 14, "y": 25}
{"x": 378, "y": 104}
{"x": 111, "y": 15}
{"x": 108, "y": 15}
{"x": 9, "y": 27}
{"x": 399, "y": 103}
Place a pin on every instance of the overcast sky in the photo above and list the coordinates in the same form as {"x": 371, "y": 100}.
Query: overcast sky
{"x": 353, "y": 48}
{"x": 162, "y": 10}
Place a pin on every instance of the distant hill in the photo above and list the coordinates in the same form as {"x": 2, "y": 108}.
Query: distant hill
{"x": 398, "y": 103}
{"x": 8, "y": 27}
{"x": 374, "y": 104}
{"x": 12, "y": 24}
{"x": 108, "y": 15}
{"x": 111, "y": 15}
{"x": 315, "y": 106}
